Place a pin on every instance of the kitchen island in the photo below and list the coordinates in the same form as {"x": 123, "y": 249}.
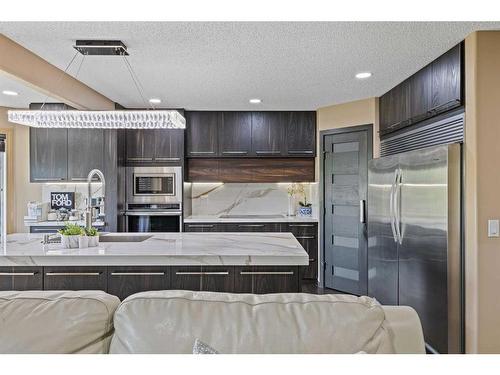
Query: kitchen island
{"x": 127, "y": 263}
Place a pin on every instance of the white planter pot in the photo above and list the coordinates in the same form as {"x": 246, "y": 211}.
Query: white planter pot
{"x": 70, "y": 242}
{"x": 83, "y": 242}
{"x": 93, "y": 241}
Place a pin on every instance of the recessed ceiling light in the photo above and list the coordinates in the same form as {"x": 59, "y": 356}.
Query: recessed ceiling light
{"x": 155, "y": 101}
{"x": 10, "y": 93}
{"x": 363, "y": 75}
{"x": 255, "y": 101}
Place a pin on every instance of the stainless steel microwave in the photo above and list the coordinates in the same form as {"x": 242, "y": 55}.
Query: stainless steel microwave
{"x": 154, "y": 185}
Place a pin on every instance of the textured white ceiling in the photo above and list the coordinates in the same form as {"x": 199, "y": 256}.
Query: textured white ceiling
{"x": 26, "y": 95}
{"x": 200, "y": 65}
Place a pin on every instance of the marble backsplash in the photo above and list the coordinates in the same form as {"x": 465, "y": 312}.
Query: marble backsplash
{"x": 245, "y": 199}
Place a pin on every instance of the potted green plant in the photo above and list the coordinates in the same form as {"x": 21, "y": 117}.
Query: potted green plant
{"x": 70, "y": 235}
{"x": 92, "y": 236}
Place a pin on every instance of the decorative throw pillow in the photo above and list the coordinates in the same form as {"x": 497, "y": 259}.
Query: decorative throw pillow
{"x": 200, "y": 347}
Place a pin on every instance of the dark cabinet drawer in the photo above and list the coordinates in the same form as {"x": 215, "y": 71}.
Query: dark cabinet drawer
{"x": 250, "y": 227}
{"x": 124, "y": 281}
{"x": 197, "y": 278}
{"x": 74, "y": 278}
{"x": 202, "y": 227}
{"x": 302, "y": 229}
{"x": 21, "y": 278}
{"x": 267, "y": 279}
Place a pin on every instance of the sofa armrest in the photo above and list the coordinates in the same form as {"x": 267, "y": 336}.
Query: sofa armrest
{"x": 405, "y": 329}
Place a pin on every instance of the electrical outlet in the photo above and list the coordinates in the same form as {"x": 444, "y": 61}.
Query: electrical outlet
{"x": 493, "y": 228}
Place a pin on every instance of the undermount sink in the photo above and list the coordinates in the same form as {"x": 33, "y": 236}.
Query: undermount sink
{"x": 127, "y": 238}
{"x": 229, "y": 216}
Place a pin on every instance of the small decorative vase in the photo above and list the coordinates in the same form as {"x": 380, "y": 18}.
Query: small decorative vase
{"x": 93, "y": 241}
{"x": 83, "y": 242}
{"x": 305, "y": 211}
{"x": 70, "y": 242}
{"x": 291, "y": 206}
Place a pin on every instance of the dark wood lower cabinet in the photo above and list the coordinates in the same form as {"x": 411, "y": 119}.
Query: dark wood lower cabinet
{"x": 75, "y": 278}
{"x": 210, "y": 279}
{"x": 21, "y": 278}
{"x": 124, "y": 281}
{"x": 267, "y": 279}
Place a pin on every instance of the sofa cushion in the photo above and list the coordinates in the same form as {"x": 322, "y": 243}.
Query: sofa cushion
{"x": 56, "y": 322}
{"x": 170, "y": 321}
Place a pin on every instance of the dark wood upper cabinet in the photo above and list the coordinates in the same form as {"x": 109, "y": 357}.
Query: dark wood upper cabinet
{"x": 300, "y": 133}
{"x": 447, "y": 81}
{"x": 235, "y": 136}
{"x": 85, "y": 152}
{"x": 419, "y": 95}
{"x": 169, "y": 145}
{"x": 154, "y": 146}
{"x": 267, "y": 134}
{"x": 251, "y": 134}
{"x": 431, "y": 91}
{"x": 394, "y": 108}
{"x": 140, "y": 146}
{"x": 202, "y": 129}
{"x": 48, "y": 154}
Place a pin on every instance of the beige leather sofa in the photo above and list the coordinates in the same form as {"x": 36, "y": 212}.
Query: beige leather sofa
{"x": 170, "y": 321}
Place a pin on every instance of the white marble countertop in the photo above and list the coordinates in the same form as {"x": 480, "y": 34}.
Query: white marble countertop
{"x": 253, "y": 219}
{"x": 47, "y": 223}
{"x": 25, "y": 249}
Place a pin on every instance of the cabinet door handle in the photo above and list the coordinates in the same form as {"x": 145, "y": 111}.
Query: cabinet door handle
{"x": 140, "y": 159}
{"x": 266, "y": 272}
{"x": 222, "y": 273}
{"x": 311, "y": 260}
{"x": 300, "y": 152}
{"x": 18, "y": 273}
{"x": 235, "y": 152}
{"x": 305, "y": 237}
{"x": 435, "y": 108}
{"x": 301, "y": 225}
{"x": 168, "y": 159}
{"x": 202, "y": 152}
{"x": 250, "y": 225}
{"x": 137, "y": 273}
{"x": 73, "y": 273}
{"x": 200, "y": 226}
{"x": 268, "y": 152}
{"x": 79, "y": 179}
{"x": 48, "y": 179}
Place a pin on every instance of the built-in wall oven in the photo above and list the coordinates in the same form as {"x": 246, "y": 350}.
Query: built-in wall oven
{"x": 154, "y": 199}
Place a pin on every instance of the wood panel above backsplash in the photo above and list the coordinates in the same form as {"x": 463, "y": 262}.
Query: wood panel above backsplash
{"x": 251, "y": 170}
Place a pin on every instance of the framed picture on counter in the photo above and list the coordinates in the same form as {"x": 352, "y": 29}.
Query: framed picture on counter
{"x": 62, "y": 200}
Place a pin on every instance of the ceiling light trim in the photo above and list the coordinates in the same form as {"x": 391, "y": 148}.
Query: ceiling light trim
{"x": 99, "y": 119}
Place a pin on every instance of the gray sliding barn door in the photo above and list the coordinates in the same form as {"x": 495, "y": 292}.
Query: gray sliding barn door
{"x": 345, "y": 192}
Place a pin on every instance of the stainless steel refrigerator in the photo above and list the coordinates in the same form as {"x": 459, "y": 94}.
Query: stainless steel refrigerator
{"x": 415, "y": 239}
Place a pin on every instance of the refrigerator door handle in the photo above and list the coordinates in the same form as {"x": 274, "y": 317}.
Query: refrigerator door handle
{"x": 397, "y": 205}
{"x": 391, "y": 208}
{"x": 362, "y": 215}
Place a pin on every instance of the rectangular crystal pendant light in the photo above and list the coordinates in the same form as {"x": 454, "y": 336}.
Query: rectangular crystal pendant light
{"x": 149, "y": 119}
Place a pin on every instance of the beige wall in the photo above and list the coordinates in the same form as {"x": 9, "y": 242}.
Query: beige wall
{"x": 21, "y": 64}
{"x": 360, "y": 112}
{"x": 20, "y": 191}
{"x": 482, "y": 198}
